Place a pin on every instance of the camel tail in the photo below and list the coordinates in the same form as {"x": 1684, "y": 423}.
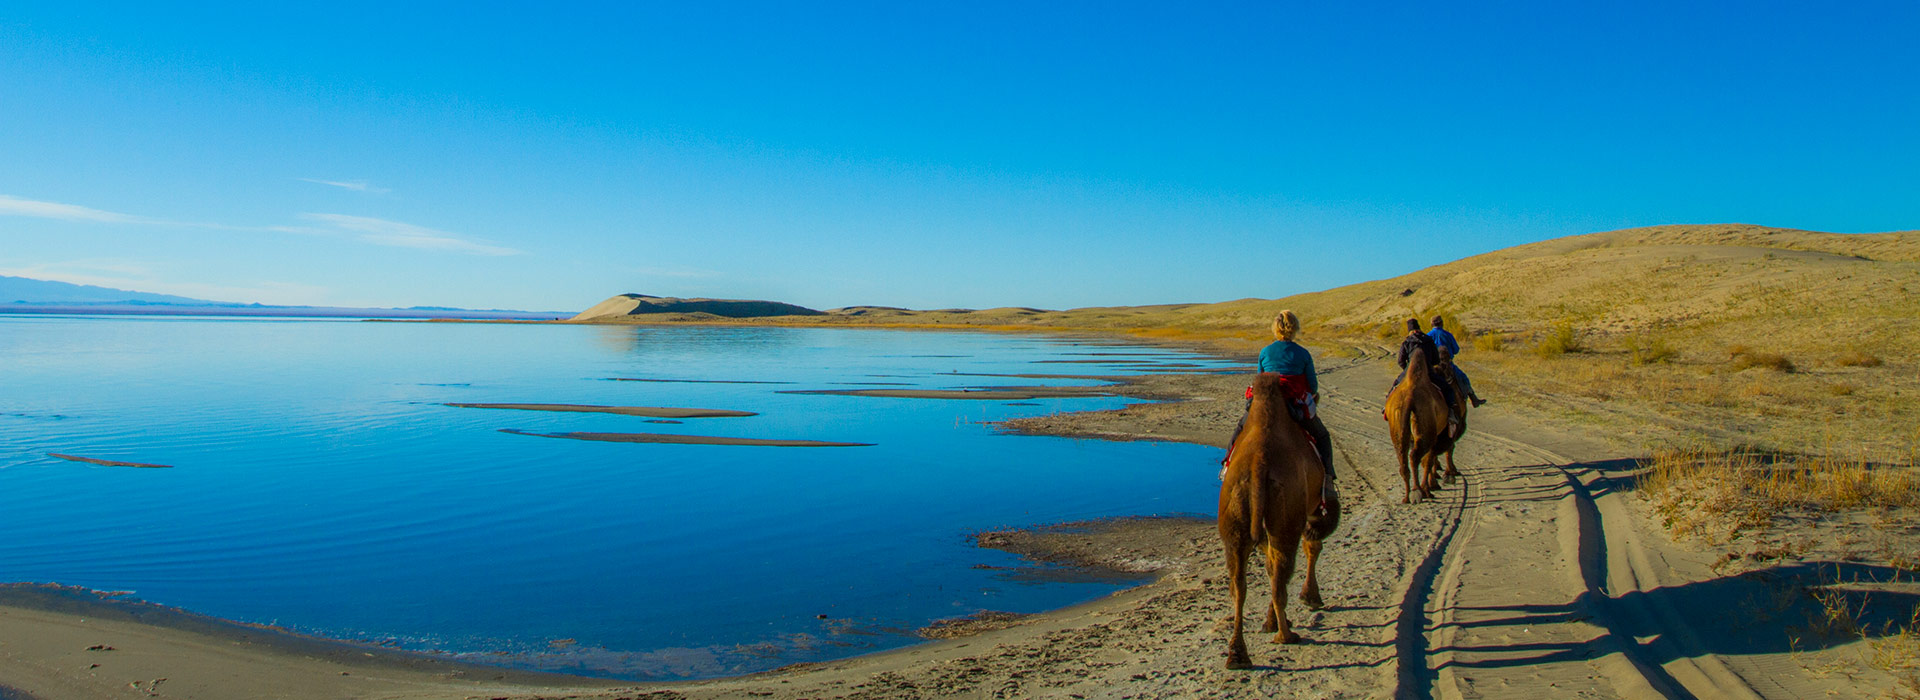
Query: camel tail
{"x": 1257, "y": 510}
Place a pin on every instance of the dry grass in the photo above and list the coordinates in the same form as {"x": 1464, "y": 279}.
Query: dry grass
{"x": 1714, "y": 495}
{"x": 1857, "y": 358}
{"x": 1490, "y": 342}
{"x": 1898, "y": 652}
{"x": 1744, "y": 357}
{"x": 1647, "y": 351}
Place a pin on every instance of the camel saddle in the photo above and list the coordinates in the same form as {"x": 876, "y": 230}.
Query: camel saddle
{"x": 1300, "y": 405}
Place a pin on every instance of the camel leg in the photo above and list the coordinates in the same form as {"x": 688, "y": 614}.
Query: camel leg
{"x": 1272, "y": 624}
{"x": 1452, "y": 471}
{"x": 1279, "y": 571}
{"x": 1237, "y": 577}
{"x": 1310, "y": 592}
{"x": 1430, "y": 465}
{"x": 1425, "y": 474}
{"x": 1406, "y": 474}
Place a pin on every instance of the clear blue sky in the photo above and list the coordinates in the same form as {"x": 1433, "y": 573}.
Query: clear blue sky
{"x": 974, "y": 154}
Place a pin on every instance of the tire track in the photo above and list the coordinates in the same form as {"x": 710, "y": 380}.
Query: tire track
{"x": 1597, "y": 532}
{"x": 1597, "y": 548}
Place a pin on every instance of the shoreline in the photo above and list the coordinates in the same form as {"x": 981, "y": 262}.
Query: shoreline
{"x": 49, "y": 606}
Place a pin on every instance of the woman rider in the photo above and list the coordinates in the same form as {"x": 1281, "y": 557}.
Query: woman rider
{"x": 1288, "y": 358}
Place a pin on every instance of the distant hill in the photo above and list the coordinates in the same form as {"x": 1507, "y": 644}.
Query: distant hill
{"x": 21, "y": 295}
{"x": 625, "y": 305}
{"x": 1730, "y": 333}
{"x": 23, "y": 290}
{"x": 1723, "y": 284}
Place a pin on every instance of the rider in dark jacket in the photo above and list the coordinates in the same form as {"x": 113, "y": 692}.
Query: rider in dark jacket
{"x": 1415, "y": 341}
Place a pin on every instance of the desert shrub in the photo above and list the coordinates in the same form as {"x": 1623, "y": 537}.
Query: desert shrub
{"x": 1389, "y": 330}
{"x": 1646, "y": 351}
{"x": 1491, "y": 342}
{"x": 1714, "y": 495}
{"x": 1841, "y": 389}
{"x": 1747, "y": 358}
{"x": 1857, "y": 358}
{"x": 1558, "y": 341}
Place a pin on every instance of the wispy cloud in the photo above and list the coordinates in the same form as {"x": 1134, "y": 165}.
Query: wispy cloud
{"x": 364, "y": 228}
{"x": 355, "y": 185}
{"x": 15, "y": 206}
{"x": 403, "y": 235}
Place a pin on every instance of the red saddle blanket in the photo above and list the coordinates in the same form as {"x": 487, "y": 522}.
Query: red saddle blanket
{"x": 1300, "y": 398}
{"x": 1300, "y": 404}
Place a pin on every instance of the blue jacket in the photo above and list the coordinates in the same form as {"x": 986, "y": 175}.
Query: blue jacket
{"x": 1441, "y": 338}
{"x": 1287, "y": 357}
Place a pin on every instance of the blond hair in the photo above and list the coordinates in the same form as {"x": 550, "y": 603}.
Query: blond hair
{"x": 1286, "y": 325}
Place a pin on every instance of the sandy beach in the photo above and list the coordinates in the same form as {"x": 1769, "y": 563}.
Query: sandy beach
{"x": 1540, "y": 574}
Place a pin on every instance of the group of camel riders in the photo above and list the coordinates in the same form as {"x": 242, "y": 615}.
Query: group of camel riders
{"x": 1295, "y": 366}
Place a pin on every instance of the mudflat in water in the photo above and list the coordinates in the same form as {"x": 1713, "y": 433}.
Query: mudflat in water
{"x": 334, "y": 477}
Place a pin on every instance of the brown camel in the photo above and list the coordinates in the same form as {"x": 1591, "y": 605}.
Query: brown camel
{"x": 1417, "y": 420}
{"x": 1269, "y": 494}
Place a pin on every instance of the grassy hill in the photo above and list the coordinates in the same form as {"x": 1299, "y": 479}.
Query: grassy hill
{"x": 1728, "y": 334}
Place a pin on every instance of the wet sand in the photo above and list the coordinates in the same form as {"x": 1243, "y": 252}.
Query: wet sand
{"x": 644, "y": 411}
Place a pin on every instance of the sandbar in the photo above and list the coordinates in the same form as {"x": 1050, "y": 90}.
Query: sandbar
{"x": 670, "y": 439}
{"x": 691, "y": 381}
{"x": 109, "y": 462}
{"x": 1016, "y": 393}
{"x": 644, "y": 411}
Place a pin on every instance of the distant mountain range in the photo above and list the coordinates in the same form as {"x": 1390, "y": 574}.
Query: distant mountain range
{"x": 26, "y": 295}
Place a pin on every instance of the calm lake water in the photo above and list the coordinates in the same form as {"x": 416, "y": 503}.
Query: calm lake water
{"x": 319, "y": 484}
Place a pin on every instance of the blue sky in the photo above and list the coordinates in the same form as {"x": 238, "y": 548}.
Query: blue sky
{"x": 917, "y": 154}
